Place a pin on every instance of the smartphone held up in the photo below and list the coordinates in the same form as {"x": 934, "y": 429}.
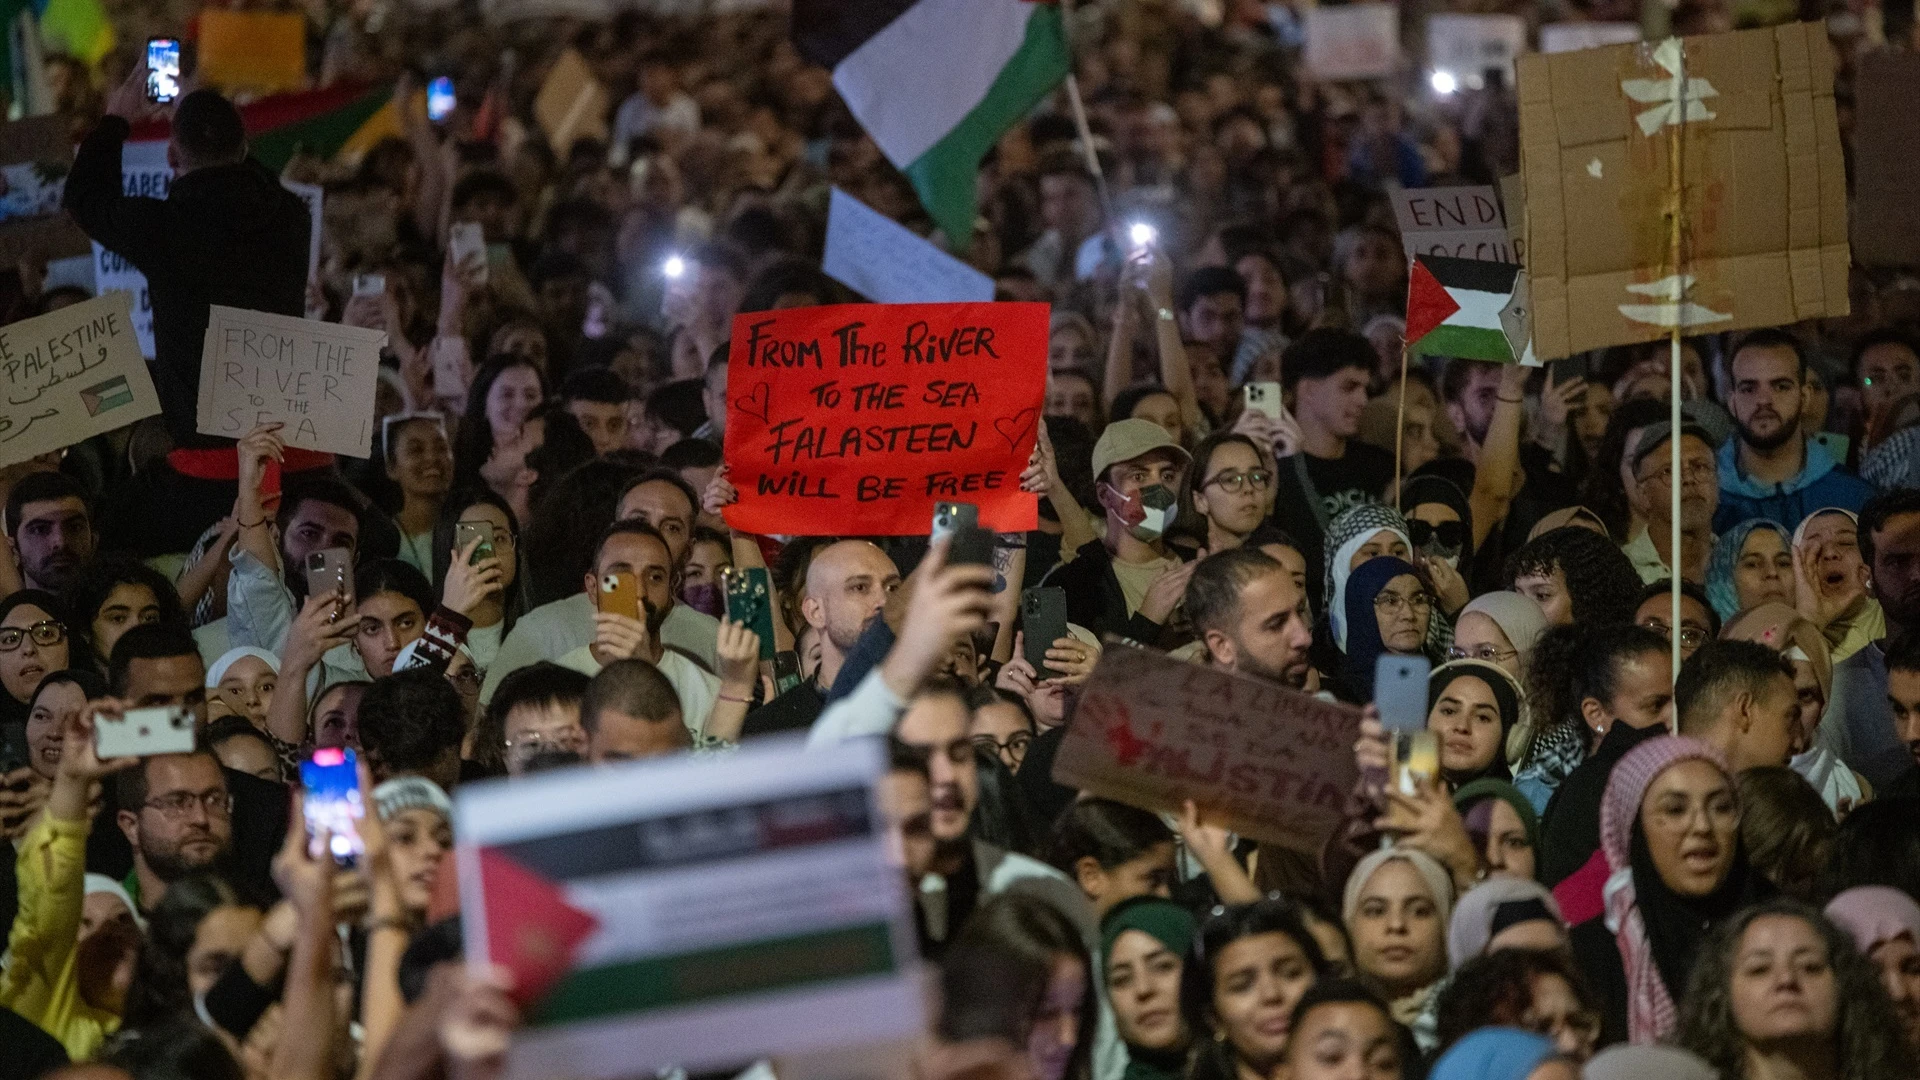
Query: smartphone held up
{"x": 333, "y": 806}
{"x": 163, "y": 70}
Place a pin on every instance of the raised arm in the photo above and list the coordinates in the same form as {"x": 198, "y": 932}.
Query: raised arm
{"x": 1176, "y": 371}
{"x": 1496, "y": 476}
{"x": 130, "y": 226}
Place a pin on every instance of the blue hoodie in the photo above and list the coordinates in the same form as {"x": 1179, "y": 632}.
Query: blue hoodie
{"x": 1821, "y": 483}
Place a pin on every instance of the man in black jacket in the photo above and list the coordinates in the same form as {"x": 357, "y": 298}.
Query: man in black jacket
{"x": 227, "y": 233}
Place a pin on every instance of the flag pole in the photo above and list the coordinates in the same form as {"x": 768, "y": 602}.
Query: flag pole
{"x": 1400, "y": 432}
{"x": 1675, "y": 210}
{"x": 1079, "y": 110}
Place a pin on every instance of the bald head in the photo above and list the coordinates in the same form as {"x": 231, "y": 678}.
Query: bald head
{"x": 847, "y": 583}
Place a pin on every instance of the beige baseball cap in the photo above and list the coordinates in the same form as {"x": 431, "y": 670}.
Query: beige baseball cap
{"x": 1127, "y": 439}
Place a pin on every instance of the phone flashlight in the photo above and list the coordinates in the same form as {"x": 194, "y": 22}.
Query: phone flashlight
{"x": 1142, "y": 234}
{"x": 674, "y": 268}
{"x": 1443, "y": 83}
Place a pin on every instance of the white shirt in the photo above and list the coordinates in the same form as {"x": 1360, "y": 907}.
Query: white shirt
{"x": 551, "y": 631}
{"x": 696, "y": 689}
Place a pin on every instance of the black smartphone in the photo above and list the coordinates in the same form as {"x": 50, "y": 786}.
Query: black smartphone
{"x": 750, "y": 603}
{"x": 786, "y": 670}
{"x": 971, "y": 545}
{"x": 1043, "y": 621}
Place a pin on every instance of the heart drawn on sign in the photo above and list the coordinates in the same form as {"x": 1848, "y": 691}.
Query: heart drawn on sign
{"x": 756, "y": 403}
{"x": 1014, "y": 428}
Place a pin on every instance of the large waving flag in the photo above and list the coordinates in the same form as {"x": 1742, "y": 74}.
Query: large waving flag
{"x": 936, "y": 82}
{"x": 340, "y": 120}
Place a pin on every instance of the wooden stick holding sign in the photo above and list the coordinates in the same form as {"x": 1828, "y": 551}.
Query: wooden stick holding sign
{"x": 855, "y": 419}
{"x": 1151, "y": 731}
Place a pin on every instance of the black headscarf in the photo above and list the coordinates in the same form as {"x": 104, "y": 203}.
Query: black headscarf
{"x": 1677, "y": 925}
{"x": 12, "y": 709}
{"x": 1506, "y": 697}
{"x": 1438, "y": 489}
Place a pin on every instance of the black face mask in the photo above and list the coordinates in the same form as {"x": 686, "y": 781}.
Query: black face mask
{"x": 1445, "y": 540}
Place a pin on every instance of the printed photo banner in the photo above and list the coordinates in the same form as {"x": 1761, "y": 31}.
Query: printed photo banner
{"x": 70, "y": 375}
{"x": 858, "y": 418}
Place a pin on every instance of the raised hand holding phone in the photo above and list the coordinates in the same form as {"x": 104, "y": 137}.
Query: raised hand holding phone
{"x": 332, "y": 805}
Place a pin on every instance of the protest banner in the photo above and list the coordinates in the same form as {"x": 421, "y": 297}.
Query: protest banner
{"x": 252, "y": 50}
{"x": 1760, "y": 192}
{"x": 888, "y": 263}
{"x": 571, "y": 104}
{"x": 1353, "y": 41}
{"x": 1457, "y": 222}
{"x": 1262, "y": 760}
{"x": 1574, "y": 36}
{"x": 70, "y": 375}
{"x": 1469, "y": 46}
{"x": 856, "y": 419}
{"x": 317, "y": 378}
{"x": 1886, "y": 219}
{"x": 690, "y": 912}
{"x": 35, "y": 156}
{"x": 144, "y": 173}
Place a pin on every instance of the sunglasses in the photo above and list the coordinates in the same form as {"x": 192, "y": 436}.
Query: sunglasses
{"x": 1450, "y": 534}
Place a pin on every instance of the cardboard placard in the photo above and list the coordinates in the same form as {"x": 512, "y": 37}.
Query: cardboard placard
{"x": 1263, "y": 760}
{"x": 144, "y": 173}
{"x": 317, "y": 378}
{"x": 856, "y": 419}
{"x": 35, "y": 156}
{"x": 1764, "y": 207}
{"x": 1457, "y": 222}
{"x": 1574, "y": 36}
{"x": 1886, "y": 138}
{"x": 252, "y": 50}
{"x": 1468, "y": 46}
{"x": 888, "y": 263}
{"x": 688, "y": 911}
{"x": 1353, "y": 41}
{"x": 571, "y": 105}
{"x": 70, "y": 375}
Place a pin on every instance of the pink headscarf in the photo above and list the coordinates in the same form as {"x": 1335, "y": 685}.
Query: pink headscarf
{"x": 1651, "y": 1015}
{"x": 1872, "y": 914}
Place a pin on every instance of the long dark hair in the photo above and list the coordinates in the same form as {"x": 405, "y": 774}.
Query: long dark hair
{"x": 994, "y": 977}
{"x": 473, "y": 444}
{"x": 90, "y": 590}
{"x": 1191, "y": 524}
{"x": 1869, "y": 1041}
{"x": 1573, "y": 663}
{"x": 1604, "y": 492}
{"x": 160, "y": 991}
{"x": 458, "y": 502}
{"x": 1214, "y": 1058}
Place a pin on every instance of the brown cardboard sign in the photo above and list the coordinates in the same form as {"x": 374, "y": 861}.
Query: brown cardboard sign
{"x": 571, "y": 104}
{"x": 1263, "y": 760}
{"x": 1886, "y": 139}
{"x": 1763, "y": 192}
{"x": 35, "y": 156}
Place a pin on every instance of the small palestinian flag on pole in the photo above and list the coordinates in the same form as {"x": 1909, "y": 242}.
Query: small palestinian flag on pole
{"x": 1469, "y": 309}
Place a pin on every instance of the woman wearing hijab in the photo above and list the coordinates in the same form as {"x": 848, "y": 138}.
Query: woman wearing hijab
{"x": 1355, "y": 535}
{"x": 1143, "y": 944}
{"x": 1779, "y": 992}
{"x": 1473, "y": 707}
{"x": 1669, "y": 825}
{"x": 1885, "y": 925}
{"x": 1396, "y": 906}
{"x": 1502, "y": 825}
{"x": 1781, "y": 629}
{"x": 1503, "y": 1054}
{"x": 1830, "y": 579}
{"x": 34, "y": 640}
{"x": 1440, "y": 532}
{"x": 1751, "y": 564}
{"x": 1386, "y": 608}
{"x": 1500, "y": 628}
{"x": 1646, "y": 1062}
{"x": 1504, "y": 913}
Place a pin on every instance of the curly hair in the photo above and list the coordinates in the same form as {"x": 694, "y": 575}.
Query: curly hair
{"x": 1601, "y": 581}
{"x": 1868, "y": 1039}
{"x": 1604, "y": 492}
{"x": 1497, "y": 988}
{"x": 1573, "y": 663}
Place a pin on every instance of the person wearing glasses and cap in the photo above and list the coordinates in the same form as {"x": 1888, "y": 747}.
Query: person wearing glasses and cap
{"x": 1653, "y": 500}
{"x": 1129, "y": 580}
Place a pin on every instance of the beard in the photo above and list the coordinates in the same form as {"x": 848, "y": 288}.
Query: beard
{"x": 1293, "y": 675}
{"x": 172, "y": 863}
{"x": 1789, "y": 428}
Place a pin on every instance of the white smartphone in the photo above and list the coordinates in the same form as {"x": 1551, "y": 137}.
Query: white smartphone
{"x": 165, "y": 729}
{"x": 1263, "y": 397}
{"x": 465, "y": 241}
{"x": 369, "y": 284}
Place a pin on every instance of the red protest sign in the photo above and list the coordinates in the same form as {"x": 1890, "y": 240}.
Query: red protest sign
{"x": 858, "y": 418}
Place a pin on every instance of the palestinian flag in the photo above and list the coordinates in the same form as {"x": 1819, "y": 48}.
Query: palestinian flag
{"x": 1455, "y": 307}
{"x": 330, "y": 122}
{"x": 936, "y": 82}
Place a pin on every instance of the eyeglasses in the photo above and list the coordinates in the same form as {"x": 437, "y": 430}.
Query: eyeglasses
{"x": 45, "y": 632}
{"x": 1450, "y": 534}
{"x": 181, "y": 803}
{"x": 1237, "y": 482}
{"x": 1486, "y": 653}
{"x": 1691, "y": 637}
{"x": 1013, "y": 751}
{"x": 1690, "y": 471}
{"x": 534, "y": 743}
{"x": 1394, "y": 603}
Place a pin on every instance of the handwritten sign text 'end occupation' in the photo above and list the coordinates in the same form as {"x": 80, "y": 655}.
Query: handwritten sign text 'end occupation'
{"x": 316, "y": 378}
{"x": 858, "y": 418}
{"x": 70, "y": 375}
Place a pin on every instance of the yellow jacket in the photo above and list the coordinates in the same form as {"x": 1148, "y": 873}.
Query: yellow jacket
{"x": 42, "y": 983}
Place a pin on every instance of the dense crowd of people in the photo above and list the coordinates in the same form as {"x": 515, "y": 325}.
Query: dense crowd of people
{"x": 1612, "y": 869}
